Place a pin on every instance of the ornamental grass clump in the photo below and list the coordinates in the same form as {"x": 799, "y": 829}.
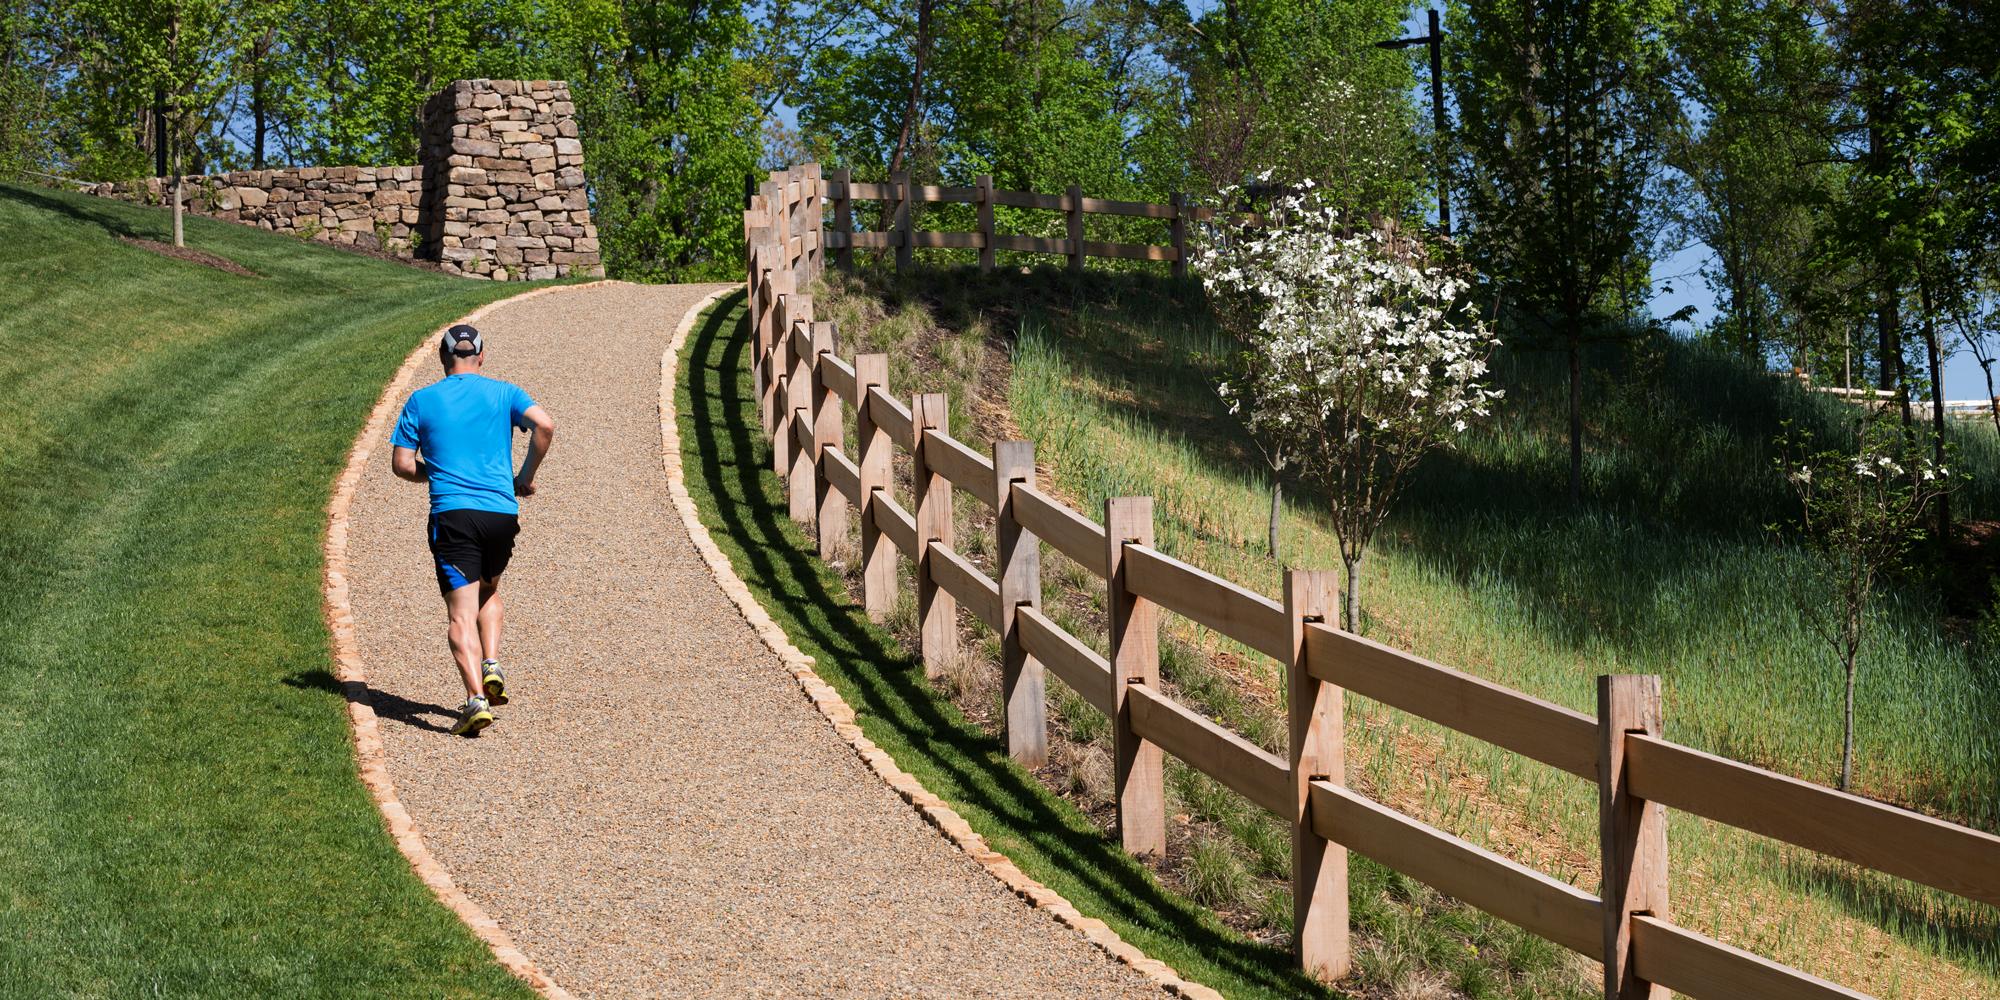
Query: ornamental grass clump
{"x": 1360, "y": 354}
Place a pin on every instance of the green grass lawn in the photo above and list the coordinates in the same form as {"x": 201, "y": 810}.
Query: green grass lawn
{"x": 180, "y": 814}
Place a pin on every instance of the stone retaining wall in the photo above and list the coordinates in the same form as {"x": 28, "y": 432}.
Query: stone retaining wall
{"x": 372, "y": 207}
{"x": 499, "y": 193}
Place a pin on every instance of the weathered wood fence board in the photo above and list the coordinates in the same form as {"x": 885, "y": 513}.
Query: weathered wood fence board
{"x": 1207, "y": 747}
{"x": 898, "y": 194}
{"x": 1902, "y": 843}
{"x": 1071, "y": 533}
{"x": 1698, "y": 966}
{"x": 1516, "y": 893}
{"x": 1078, "y": 665}
{"x": 805, "y": 390}
{"x": 1503, "y": 717}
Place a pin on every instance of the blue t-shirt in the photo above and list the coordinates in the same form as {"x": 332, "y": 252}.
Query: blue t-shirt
{"x": 461, "y": 425}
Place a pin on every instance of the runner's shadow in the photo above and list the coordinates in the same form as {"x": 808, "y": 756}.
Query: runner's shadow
{"x": 395, "y": 708}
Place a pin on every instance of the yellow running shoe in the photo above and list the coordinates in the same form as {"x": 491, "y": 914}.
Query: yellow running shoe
{"x": 472, "y": 718}
{"x": 495, "y": 682}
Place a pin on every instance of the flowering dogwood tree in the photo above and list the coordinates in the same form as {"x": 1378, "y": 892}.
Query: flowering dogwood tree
{"x": 1360, "y": 354}
{"x": 1861, "y": 511}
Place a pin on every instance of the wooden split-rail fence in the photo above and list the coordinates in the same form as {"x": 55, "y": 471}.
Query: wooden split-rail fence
{"x": 807, "y": 393}
{"x": 897, "y": 195}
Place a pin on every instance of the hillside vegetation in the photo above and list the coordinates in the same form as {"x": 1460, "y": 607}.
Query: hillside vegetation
{"x": 181, "y": 814}
{"x": 1668, "y": 568}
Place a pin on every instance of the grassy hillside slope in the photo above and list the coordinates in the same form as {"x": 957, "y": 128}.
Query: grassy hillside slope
{"x": 180, "y": 814}
{"x": 1667, "y": 569}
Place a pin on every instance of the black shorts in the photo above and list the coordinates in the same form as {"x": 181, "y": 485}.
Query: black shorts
{"x": 471, "y": 545}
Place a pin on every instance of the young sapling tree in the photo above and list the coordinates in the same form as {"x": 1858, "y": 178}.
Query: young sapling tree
{"x": 1860, "y": 512}
{"x": 1360, "y": 354}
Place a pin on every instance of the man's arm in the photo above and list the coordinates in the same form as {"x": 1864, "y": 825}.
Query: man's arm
{"x": 406, "y": 465}
{"x": 541, "y": 434}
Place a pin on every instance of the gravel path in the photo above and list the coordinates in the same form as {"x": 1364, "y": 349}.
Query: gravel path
{"x": 659, "y": 812}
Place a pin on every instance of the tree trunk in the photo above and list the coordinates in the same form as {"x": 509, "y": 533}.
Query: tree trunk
{"x": 1277, "y": 501}
{"x": 1992, "y": 399}
{"x": 923, "y": 44}
{"x": 1885, "y": 335}
{"x": 1847, "y": 731}
{"x": 173, "y": 50}
{"x": 159, "y": 131}
{"x": 259, "y": 108}
{"x": 1351, "y": 596}
{"x": 1889, "y": 323}
{"x": 1934, "y": 356}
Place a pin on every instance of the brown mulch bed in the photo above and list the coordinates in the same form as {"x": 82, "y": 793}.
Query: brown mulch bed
{"x": 190, "y": 255}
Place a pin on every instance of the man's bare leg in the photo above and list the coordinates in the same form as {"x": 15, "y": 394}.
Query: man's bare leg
{"x": 491, "y": 616}
{"x": 462, "y": 613}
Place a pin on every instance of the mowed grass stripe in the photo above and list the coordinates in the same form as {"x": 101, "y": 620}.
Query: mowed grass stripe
{"x": 181, "y": 814}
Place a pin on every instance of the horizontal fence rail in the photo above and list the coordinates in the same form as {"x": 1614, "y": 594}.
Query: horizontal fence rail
{"x": 898, "y": 194}
{"x": 807, "y": 393}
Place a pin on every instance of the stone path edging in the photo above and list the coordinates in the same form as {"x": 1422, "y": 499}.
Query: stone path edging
{"x": 352, "y": 675}
{"x": 840, "y": 715}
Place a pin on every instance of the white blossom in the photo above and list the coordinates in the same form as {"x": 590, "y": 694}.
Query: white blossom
{"x": 1335, "y": 311}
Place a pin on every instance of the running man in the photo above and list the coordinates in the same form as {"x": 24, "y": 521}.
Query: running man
{"x": 462, "y": 424}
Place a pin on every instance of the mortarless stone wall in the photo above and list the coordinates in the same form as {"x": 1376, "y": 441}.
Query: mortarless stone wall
{"x": 372, "y": 207}
{"x": 499, "y": 194}
{"x": 504, "y": 191}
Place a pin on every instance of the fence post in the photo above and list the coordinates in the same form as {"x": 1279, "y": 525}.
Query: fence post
{"x": 878, "y": 550}
{"x": 792, "y": 310}
{"x": 799, "y": 469}
{"x": 753, "y": 224}
{"x": 827, "y": 434}
{"x": 814, "y": 222}
{"x": 985, "y": 184}
{"x": 760, "y": 299}
{"x": 1075, "y": 228}
{"x": 1632, "y": 830}
{"x": 778, "y": 300}
{"x": 775, "y": 285}
{"x": 843, "y": 217}
{"x": 1138, "y": 765}
{"x": 781, "y": 223}
{"x": 1316, "y": 711}
{"x": 901, "y": 182}
{"x": 937, "y": 611}
{"x": 1020, "y": 578}
{"x": 1180, "y": 235}
{"x": 796, "y": 217}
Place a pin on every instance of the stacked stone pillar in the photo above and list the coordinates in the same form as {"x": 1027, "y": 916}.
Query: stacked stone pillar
{"x": 503, "y": 194}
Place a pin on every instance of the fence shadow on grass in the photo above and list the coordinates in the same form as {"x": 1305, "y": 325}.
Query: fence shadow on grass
{"x": 897, "y": 709}
{"x": 1962, "y": 931}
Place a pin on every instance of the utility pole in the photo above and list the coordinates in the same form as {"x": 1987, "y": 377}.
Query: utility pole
{"x": 1436, "y": 42}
